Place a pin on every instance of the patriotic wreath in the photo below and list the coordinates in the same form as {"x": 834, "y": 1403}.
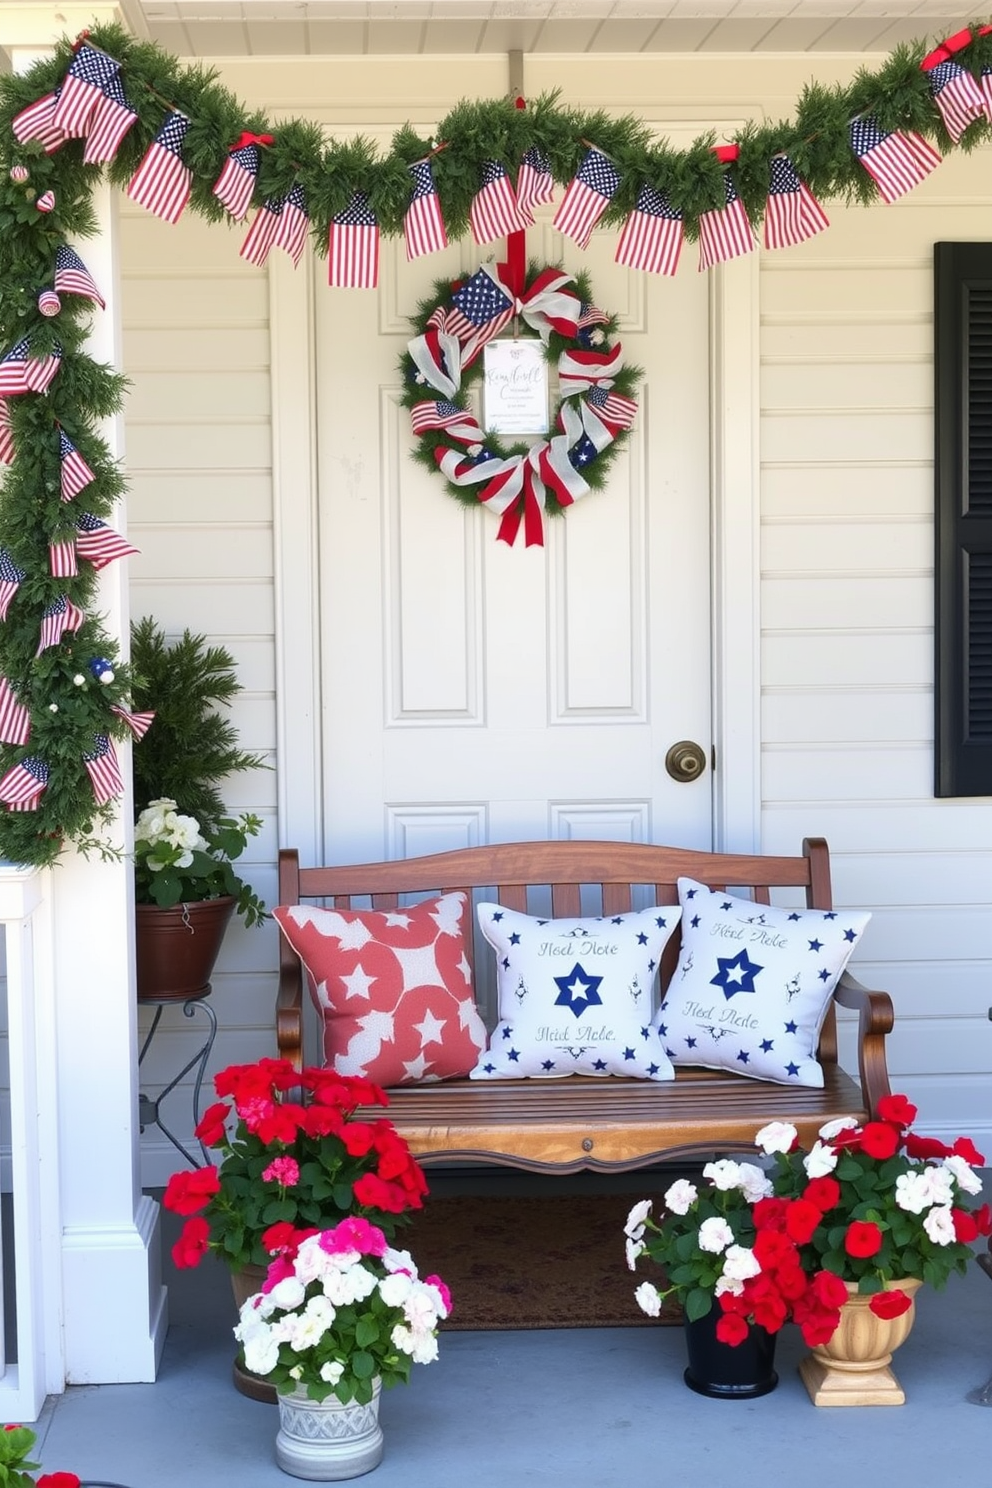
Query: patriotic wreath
{"x": 520, "y": 483}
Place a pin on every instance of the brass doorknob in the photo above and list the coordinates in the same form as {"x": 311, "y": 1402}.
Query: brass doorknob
{"x": 685, "y": 761}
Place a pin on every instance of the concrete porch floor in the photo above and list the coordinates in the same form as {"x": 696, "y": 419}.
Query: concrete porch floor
{"x": 589, "y": 1408}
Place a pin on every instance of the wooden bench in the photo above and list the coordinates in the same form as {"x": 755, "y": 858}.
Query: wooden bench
{"x": 610, "y": 1124}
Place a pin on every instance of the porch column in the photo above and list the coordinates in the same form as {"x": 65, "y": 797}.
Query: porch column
{"x": 114, "y": 1312}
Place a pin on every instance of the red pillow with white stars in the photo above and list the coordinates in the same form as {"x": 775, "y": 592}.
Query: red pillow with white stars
{"x": 393, "y": 988}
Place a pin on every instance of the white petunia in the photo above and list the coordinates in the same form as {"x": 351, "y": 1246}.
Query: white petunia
{"x": 402, "y": 1338}
{"x": 913, "y": 1192}
{"x": 968, "y": 1181}
{"x": 941, "y": 1183}
{"x": 727, "y": 1283}
{"x": 819, "y": 1160}
{"x": 724, "y": 1174}
{"x": 777, "y": 1136}
{"x": 331, "y": 1371}
{"x": 399, "y": 1260}
{"x": 394, "y": 1290}
{"x": 739, "y": 1263}
{"x": 715, "y": 1235}
{"x": 681, "y": 1196}
{"x": 635, "y": 1219}
{"x": 834, "y": 1128}
{"x": 648, "y": 1299}
{"x": 939, "y": 1225}
{"x": 261, "y": 1353}
{"x": 755, "y": 1183}
{"x": 309, "y": 1330}
{"x": 424, "y": 1349}
{"x": 288, "y": 1293}
{"x": 635, "y": 1248}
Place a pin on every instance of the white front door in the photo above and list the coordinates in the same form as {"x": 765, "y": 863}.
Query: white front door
{"x": 475, "y": 692}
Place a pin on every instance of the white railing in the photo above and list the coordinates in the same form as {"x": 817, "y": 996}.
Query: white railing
{"x": 33, "y": 1149}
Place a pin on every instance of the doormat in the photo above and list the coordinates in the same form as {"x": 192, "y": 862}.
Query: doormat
{"x": 535, "y": 1261}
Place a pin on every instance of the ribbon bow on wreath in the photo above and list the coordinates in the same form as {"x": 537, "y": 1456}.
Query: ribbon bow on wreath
{"x": 520, "y": 484}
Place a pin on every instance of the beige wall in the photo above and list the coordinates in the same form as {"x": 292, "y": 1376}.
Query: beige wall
{"x": 846, "y": 497}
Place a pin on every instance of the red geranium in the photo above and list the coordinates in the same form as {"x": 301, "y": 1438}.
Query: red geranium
{"x": 801, "y": 1220}
{"x": 211, "y": 1127}
{"x": 188, "y": 1193}
{"x": 192, "y": 1244}
{"x": 880, "y": 1139}
{"x": 732, "y": 1329}
{"x": 823, "y": 1192}
{"x": 58, "y": 1480}
{"x": 965, "y": 1147}
{"x": 863, "y": 1238}
{"x": 897, "y": 1108}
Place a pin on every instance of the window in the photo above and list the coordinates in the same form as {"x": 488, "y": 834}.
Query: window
{"x": 963, "y": 509}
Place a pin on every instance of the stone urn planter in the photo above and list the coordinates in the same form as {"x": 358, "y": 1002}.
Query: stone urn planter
{"x": 853, "y": 1367}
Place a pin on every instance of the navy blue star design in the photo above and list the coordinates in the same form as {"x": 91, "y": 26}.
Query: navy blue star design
{"x": 548, "y": 1064}
{"x": 830, "y": 914}
{"x": 514, "y": 938}
{"x": 850, "y": 934}
{"x": 497, "y": 916}
{"x": 489, "y": 1068}
{"x": 578, "y": 991}
{"x": 629, "y": 1054}
{"x": 663, "y": 1029}
{"x": 660, "y": 921}
{"x": 617, "y": 920}
{"x": 790, "y": 1027}
{"x": 641, "y": 938}
{"x": 736, "y": 974}
{"x": 506, "y": 963}
{"x": 795, "y": 916}
{"x": 653, "y": 1069}
{"x": 767, "y": 1045}
{"x": 645, "y": 1033}
{"x": 743, "y": 1056}
{"x": 816, "y": 945}
{"x": 513, "y": 1055}
{"x": 727, "y": 904}
{"x": 690, "y": 893}
{"x": 694, "y": 922}
{"x": 652, "y": 965}
{"x": 690, "y": 1042}
{"x": 824, "y": 975}
{"x": 599, "y": 1064}
{"x": 507, "y": 1031}
{"x": 792, "y": 1069}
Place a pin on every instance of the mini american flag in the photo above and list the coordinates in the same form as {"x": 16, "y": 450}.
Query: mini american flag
{"x": 82, "y": 90}
{"x": 262, "y": 232}
{"x": 423, "y": 225}
{"x": 23, "y": 783}
{"x": 76, "y": 474}
{"x": 113, "y": 118}
{"x": 293, "y": 223}
{"x": 62, "y": 559}
{"x": 6, "y": 437}
{"x": 60, "y": 616}
{"x": 13, "y": 368}
{"x": 163, "y": 181}
{"x": 494, "y": 211}
{"x": 73, "y": 277}
{"x": 10, "y": 581}
{"x": 49, "y": 303}
{"x": 458, "y": 422}
{"x": 587, "y": 198}
{"x": 725, "y": 233}
{"x": 39, "y": 371}
{"x": 353, "y": 246}
{"x": 36, "y": 122}
{"x": 792, "y": 212}
{"x": 652, "y": 235}
{"x": 236, "y": 182}
{"x": 535, "y": 183}
{"x": 15, "y": 720}
{"x": 896, "y": 162}
{"x": 956, "y": 94}
{"x": 138, "y": 723}
{"x": 479, "y": 311}
{"x": 612, "y": 407}
{"x": 103, "y": 769}
{"x": 98, "y": 543}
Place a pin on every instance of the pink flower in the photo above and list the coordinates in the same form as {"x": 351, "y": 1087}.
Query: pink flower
{"x": 284, "y": 1170}
{"x": 435, "y": 1281}
{"x": 354, "y": 1233}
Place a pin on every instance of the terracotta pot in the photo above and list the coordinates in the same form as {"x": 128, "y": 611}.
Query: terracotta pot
{"x": 853, "y": 1367}
{"x": 176, "y": 948}
{"x": 244, "y": 1284}
{"x": 726, "y": 1372}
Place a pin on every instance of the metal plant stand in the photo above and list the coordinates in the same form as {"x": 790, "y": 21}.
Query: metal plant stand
{"x": 149, "y": 1107}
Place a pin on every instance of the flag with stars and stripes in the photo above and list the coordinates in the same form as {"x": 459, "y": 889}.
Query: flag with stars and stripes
{"x": 6, "y": 437}
{"x": 61, "y": 615}
{"x": 613, "y": 408}
{"x": 479, "y": 310}
{"x": 261, "y": 233}
{"x": 652, "y": 235}
{"x": 76, "y": 474}
{"x": 958, "y": 97}
{"x": 39, "y": 371}
{"x": 82, "y": 90}
{"x": 725, "y": 232}
{"x": 36, "y": 123}
{"x": 62, "y": 558}
{"x": 138, "y": 723}
{"x": 494, "y": 212}
{"x": 163, "y": 181}
{"x": 535, "y": 183}
{"x": 235, "y": 185}
{"x": 353, "y": 246}
{"x": 897, "y": 161}
{"x": 792, "y": 212}
{"x": 293, "y": 224}
{"x": 15, "y": 720}
{"x": 113, "y": 118}
{"x": 98, "y": 543}
{"x": 459, "y": 423}
{"x": 10, "y": 581}
{"x": 423, "y": 225}
{"x": 73, "y": 277}
{"x": 24, "y": 783}
{"x": 13, "y": 368}
{"x": 103, "y": 769}
{"x": 587, "y": 198}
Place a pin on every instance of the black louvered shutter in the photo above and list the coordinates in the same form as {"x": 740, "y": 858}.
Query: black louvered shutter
{"x": 963, "y": 499}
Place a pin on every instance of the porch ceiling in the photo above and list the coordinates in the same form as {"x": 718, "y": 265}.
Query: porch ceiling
{"x": 237, "y": 28}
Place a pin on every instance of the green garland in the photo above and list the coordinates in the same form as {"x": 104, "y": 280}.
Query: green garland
{"x": 626, "y": 382}
{"x": 66, "y": 713}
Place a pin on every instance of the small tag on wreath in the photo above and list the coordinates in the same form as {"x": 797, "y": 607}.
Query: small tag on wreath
{"x": 521, "y": 484}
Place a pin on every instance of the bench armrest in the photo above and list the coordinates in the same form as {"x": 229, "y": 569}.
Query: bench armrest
{"x": 875, "y": 1019}
{"x": 289, "y": 1012}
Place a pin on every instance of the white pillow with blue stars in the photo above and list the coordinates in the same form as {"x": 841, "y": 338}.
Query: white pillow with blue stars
{"x": 575, "y": 996}
{"x": 753, "y": 984}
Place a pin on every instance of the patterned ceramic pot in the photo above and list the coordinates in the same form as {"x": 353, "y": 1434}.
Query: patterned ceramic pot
{"x": 327, "y": 1441}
